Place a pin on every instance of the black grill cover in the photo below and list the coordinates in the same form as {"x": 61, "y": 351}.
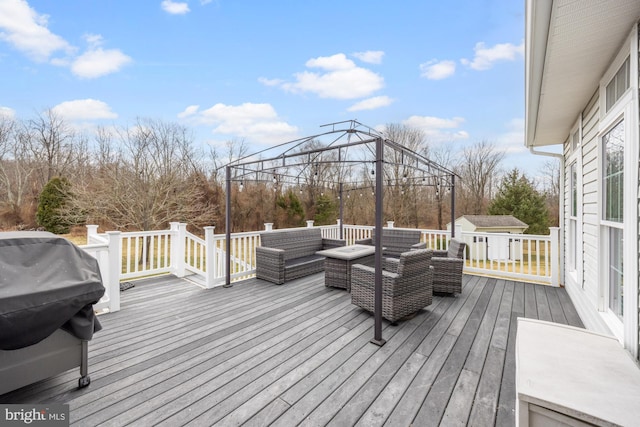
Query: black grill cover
{"x": 46, "y": 283}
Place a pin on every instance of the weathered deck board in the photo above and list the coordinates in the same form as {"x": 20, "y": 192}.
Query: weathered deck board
{"x": 299, "y": 354}
{"x": 436, "y": 402}
{"x": 486, "y": 400}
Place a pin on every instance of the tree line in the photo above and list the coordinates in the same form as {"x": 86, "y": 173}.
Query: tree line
{"x": 150, "y": 173}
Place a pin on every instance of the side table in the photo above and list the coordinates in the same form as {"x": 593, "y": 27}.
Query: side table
{"x": 338, "y": 262}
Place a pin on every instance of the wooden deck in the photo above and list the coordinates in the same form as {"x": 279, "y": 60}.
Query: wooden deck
{"x": 262, "y": 354}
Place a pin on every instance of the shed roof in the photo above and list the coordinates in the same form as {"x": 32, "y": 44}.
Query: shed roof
{"x": 494, "y": 221}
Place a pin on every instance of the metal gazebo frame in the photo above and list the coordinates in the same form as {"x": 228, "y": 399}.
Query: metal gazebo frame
{"x": 350, "y": 143}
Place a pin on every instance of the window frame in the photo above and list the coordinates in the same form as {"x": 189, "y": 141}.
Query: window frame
{"x": 624, "y": 108}
{"x": 573, "y": 237}
{"x": 615, "y": 80}
{"x": 607, "y": 178}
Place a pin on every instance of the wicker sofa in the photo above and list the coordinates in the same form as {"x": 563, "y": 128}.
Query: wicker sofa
{"x": 396, "y": 241}
{"x": 447, "y": 267}
{"x": 289, "y": 254}
{"x": 407, "y": 284}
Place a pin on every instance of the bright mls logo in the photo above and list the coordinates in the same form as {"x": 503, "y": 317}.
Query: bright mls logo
{"x": 34, "y": 415}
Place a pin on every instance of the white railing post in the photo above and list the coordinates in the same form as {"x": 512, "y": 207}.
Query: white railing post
{"x": 268, "y": 226}
{"x": 390, "y": 224}
{"x": 92, "y": 230}
{"x": 309, "y": 223}
{"x": 210, "y": 258}
{"x": 555, "y": 255}
{"x": 177, "y": 248}
{"x": 114, "y": 267}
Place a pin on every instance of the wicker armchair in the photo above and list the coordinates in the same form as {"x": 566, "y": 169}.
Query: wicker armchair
{"x": 406, "y": 284}
{"x": 447, "y": 268}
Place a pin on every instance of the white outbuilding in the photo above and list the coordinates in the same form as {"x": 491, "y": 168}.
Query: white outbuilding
{"x": 498, "y": 247}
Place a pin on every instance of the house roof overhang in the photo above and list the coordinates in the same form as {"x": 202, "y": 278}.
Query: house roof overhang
{"x": 568, "y": 47}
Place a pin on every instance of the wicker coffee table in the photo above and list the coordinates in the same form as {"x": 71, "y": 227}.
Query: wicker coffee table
{"x": 338, "y": 262}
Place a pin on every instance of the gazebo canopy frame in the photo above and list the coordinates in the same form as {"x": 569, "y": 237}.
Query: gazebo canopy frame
{"x": 349, "y": 154}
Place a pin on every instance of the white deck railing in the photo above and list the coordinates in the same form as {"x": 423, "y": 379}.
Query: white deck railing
{"x": 132, "y": 255}
{"x": 146, "y": 253}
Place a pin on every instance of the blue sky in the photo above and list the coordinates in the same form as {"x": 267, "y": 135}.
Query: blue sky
{"x": 269, "y": 72}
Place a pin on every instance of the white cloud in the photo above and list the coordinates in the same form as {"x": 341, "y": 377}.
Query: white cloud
{"x": 99, "y": 62}
{"x": 338, "y": 61}
{"x": 512, "y": 140}
{"x": 189, "y": 111}
{"x": 84, "y": 109}
{"x": 174, "y": 7}
{"x": 433, "y": 122}
{"x": 93, "y": 40}
{"x": 24, "y": 29}
{"x": 437, "y": 70}
{"x": 437, "y": 129}
{"x": 342, "y": 79}
{"x": 258, "y": 123}
{"x": 370, "y": 56}
{"x": 371, "y": 103}
{"x": 485, "y": 57}
{"x": 96, "y": 61}
{"x": 270, "y": 82}
{"x": 7, "y": 113}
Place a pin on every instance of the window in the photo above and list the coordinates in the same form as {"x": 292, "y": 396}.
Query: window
{"x": 616, "y": 237}
{"x": 616, "y": 275}
{"x": 613, "y": 143}
{"x": 618, "y": 85}
{"x": 613, "y": 192}
{"x": 575, "y": 141}
{"x": 574, "y": 190}
{"x": 573, "y": 217}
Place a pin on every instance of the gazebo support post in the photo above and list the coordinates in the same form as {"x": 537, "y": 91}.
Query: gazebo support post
{"x": 227, "y": 258}
{"x": 377, "y": 329}
{"x": 453, "y": 206}
{"x": 341, "y": 213}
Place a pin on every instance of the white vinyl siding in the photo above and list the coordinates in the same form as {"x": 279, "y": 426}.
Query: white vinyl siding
{"x": 590, "y": 200}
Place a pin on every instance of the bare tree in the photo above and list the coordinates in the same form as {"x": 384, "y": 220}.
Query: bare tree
{"x": 402, "y": 201}
{"x": 316, "y": 174}
{"x": 444, "y": 157}
{"x": 478, "y": 170}
{"x": 551, "y": 177}
{"x": 234, "y": 149}
{"x": 551, "y": 189}
{"x": 146, "y": 176}
{"x": 53, "y": 145}
{"x": 16, "y": 170}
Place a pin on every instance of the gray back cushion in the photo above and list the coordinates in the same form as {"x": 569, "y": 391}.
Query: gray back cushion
{"x": 296, "y": 243}
{"x": 396, "y": 241}
{"x": 456, "y": 248}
